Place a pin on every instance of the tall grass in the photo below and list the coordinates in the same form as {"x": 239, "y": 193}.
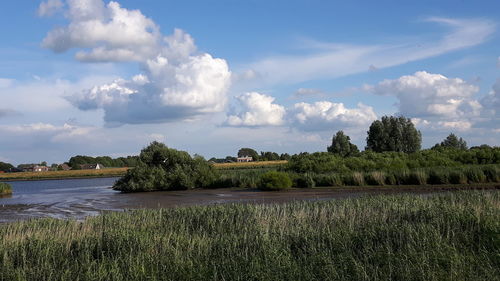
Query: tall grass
{"x": 108, "y": 172}
{"x": 452, "y": 236}
{"x": 5, "y": 189}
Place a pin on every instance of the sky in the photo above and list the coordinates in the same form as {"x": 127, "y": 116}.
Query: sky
{"x": 94, "y": 77}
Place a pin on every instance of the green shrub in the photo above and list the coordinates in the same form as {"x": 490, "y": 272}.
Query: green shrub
{"x": 375, "y": 178}
{"x": 457, "y": 177}
{"x": 439, "y": 176}
{"x": 475, "y": 175}
{"x": 492, "y": 173}
{"x": 390, "y": 179}
{"x": 5, "y": 188}
{"x": 305, "y": 180}
{"x": 354, "y": 179}
{"x": 417, "y": 177}
{"x": 274, "y": 180}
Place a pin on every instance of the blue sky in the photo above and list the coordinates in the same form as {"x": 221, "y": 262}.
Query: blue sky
{"x": 95, "y": 77}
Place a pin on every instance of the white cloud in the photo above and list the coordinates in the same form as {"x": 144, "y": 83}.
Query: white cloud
{"x": 325, "y": 115}
{"x": 427, "y": 95}
{"x": 307, "y": 92}
{"x": 111, "y": 32}
{"x": 46, "y": 132}
{"x": 335, "y": 60}
{"x": 491, "y": 102}
{"x": 49, "y": 8}
{"x": 178, "y": 82}
{"x": 6, "y": 83}
{"x": 258, "y": 110}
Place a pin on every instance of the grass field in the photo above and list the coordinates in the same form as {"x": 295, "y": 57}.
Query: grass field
{"x": 109, "y": 172}
{"x": 451, "y": 236}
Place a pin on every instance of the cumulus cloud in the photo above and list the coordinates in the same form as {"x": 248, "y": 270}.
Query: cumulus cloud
{"x": 257, "y": 110}
{"x": 334, "y": 60}
{"x": 178, "y": 82}
{"x": 491, "y": 102}
{"x": 110, "y": 32}
{"x": 6, "y": 83}
{"x": 325, "y": 115}
{"x": 49, "y": 8}
{"x": 427, "y": 95}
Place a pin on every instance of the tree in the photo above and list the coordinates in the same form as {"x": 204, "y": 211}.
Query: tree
{"x": 452, "y": 141}
{"x": 341, "y": 145}
{"x": 163, "y": 168}
{"x": 393, "y": 134}
{"x": 5, "y": 167}
{"x": 243, "y": 152}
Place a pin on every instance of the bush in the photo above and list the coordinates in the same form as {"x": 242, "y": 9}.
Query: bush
{"x": 375, "y": 178}
{"x": 5, "y": 188}
{"x": 305, "y": 180}
{"x": 163, "y": 168}
{"x": 354, "y": 179}
{"x": 417, "y": 177}
{"x": 439, "y": 176}
{"x": 458, "y": 177}
{"x": 475, "y": 175}
{"x": 492, "y": 173}
{"x": 274, "y": 180}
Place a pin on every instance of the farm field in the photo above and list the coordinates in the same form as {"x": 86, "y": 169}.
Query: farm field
{"x": 108, "y": 172}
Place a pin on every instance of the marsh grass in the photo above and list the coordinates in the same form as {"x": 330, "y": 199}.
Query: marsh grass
{"x": 5, "y": 189}
{"x": 452, "y": 236}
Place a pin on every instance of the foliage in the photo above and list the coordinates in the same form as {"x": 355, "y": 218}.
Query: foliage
{"x": 163, "y": 168}
{"x": 393, "y": 134}
{"x": 341, "y": 145}
{"x": 244, "y": 152}
{"x": 451, "y": 236}
{"x": 129, "y": 161}
{"x": 274, "y": 180}
{"x": 269, "y": 156}
{"x": 452, "y": 141}
{"x": 5, "y": 167}
{"x": 5, "y": 188}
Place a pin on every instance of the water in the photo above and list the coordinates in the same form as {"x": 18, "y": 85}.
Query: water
{"x": 79, "y": 198}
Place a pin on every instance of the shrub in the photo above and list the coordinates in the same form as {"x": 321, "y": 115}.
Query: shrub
{"x": 492, "y": 173}
{"x": 274, "y": 180}
{"x": 475, "y": 175}
{"x": 5, "y": 188}
{"x": 355, "y": 179}
{"x": 458, "y": 177}
{"x": 439, "y": 176}
{"x": 417, "y": 177}
{"x": 375, "y": 178}
{"x": 390, "y": 179}
{"x": 305, "y": 180}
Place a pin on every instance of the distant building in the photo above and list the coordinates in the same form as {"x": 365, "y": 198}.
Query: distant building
{"x": 92, "y": 166}
{"x": 245, "y": 159}
{"x": 36, "y": 168}
{"x": 64, "y": 167}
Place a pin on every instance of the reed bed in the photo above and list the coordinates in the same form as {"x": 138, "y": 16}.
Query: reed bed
{"x": 252, "y": 165}
{"x": 5, "y": 189}
{"x": 108, "y": 172}
{"x": 451, "y": 236}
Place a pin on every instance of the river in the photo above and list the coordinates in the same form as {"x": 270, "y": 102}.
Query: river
{"x": 78, "y": 198}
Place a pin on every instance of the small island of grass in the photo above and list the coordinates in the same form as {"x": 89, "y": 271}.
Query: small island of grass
{"x": 5, "y": 189}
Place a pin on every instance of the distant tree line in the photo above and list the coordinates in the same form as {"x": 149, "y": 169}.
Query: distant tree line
{"x": 75, "y": 162}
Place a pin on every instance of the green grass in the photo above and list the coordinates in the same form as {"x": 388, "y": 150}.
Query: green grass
{"x": 5, "y": 189}
{"x": 452, "y": 236}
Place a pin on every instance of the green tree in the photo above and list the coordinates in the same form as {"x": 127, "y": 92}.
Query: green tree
{"x": 393, "y": 134}
{"x": 243, "y": 152}
{"x": 5, "y": 167}
{"x": 341, "y": 145}
{"x": 452, "y": 141}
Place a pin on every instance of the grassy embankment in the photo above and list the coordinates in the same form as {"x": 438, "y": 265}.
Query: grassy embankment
{"x": 118, "y": 172}
{"x": 5, "y": 189}
{"x": 452, "y": 236}
{"x": 109, "y": 172}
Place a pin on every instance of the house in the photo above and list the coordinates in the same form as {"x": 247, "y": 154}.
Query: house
{"x": 64, "y": 167}
{"x": 92, "y": 166}
{"x": 245, "y": 159}
{"x": 36, "y": 168}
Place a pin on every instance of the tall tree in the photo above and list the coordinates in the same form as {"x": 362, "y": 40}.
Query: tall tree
{"x": 453, "y": 141}
{"x": 393, "y": 134}
{"x": 341, "y": 145}
{"x": 243, "y": 152}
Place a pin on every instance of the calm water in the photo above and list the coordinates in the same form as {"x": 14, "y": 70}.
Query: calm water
{"x": 78, "y": 198}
